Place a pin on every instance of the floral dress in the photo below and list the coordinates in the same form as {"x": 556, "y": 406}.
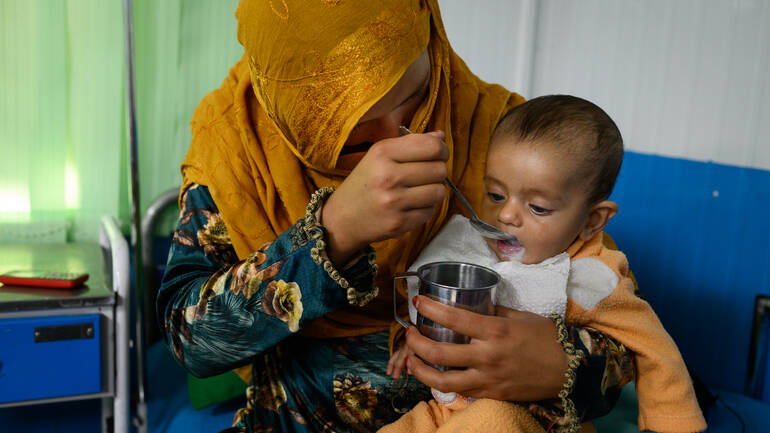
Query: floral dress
{"x": 220, "y": 313}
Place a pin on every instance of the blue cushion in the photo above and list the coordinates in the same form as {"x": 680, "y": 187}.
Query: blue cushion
{"x": 168, "y": 403}
{"x": 732, "y": 408}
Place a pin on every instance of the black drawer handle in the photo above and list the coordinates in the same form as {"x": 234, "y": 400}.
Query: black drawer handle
{"x": 77, "y": 331}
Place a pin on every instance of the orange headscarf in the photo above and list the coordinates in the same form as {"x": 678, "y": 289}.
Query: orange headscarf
{"x": 272, "y": 133}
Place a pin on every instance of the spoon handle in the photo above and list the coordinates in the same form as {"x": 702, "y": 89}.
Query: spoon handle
{"x": 485, "y": 229}
{"x": 404, "y": 131}
{"x": 460, "y": 196}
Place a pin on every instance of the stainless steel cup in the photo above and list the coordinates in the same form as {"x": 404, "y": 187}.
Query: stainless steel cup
{"x": 462, "y": 285}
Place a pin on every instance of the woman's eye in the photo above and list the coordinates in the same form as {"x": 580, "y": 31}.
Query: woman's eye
{"x": 537, "y": 210}
{"x": 495, "y": 197}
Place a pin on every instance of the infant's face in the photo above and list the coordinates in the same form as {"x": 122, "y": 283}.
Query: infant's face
{"x": 535, "y": 195}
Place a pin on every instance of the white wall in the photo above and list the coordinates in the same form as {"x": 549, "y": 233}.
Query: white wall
{"x": 496, "y": 38}
{"x": 685, "y": 78}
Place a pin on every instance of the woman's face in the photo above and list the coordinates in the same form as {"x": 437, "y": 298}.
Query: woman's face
{"x": 383, "y": 119}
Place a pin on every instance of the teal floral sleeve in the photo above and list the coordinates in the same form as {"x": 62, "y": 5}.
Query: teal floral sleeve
{"x": 602, "y": 367}
{"x": 219, "y": 312}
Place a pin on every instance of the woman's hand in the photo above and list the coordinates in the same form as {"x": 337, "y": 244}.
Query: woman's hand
{"x": 393, "y": 189}
{"x": 512, "y": 356}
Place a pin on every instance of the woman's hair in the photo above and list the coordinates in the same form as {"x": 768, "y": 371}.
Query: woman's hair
{"x": 574, "y": 127}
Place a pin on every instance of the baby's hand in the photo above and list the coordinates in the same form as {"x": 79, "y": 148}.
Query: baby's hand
{"x": 397, "y": 362}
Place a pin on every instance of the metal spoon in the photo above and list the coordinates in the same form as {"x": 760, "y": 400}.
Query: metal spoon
{"x": 486, "y": 230}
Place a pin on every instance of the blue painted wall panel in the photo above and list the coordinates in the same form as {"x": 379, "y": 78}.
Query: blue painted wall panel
{"x": 697, "y": 236}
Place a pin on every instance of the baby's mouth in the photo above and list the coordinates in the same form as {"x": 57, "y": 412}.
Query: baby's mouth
{"x": 511, "y": 248}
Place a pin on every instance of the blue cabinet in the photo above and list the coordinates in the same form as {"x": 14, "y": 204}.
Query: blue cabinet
{"x": 67, "y": 349}
{"x": 50, "y": 356}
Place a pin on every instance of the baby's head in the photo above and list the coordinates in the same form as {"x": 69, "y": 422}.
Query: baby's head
{"x": 551, "y": 165}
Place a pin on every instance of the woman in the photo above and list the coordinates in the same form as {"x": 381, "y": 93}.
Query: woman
{"x": 300, "y": 199}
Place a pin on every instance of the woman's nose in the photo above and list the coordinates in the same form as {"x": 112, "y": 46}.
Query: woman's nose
{"x": 387, "y": 127}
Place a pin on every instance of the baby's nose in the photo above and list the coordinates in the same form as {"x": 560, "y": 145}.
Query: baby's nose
{"x": 510, "y": 214}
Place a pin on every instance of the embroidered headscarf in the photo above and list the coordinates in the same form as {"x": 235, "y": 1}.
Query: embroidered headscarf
{"x": 272, "y": 133}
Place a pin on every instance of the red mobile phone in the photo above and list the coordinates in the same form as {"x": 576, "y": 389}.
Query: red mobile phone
{"x": 33, "y": 278}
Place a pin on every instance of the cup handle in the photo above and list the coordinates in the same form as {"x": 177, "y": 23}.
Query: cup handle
{"x": 398, "y": 275}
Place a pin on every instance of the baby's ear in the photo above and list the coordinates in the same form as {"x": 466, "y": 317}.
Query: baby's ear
{"x": 598, "y": 217}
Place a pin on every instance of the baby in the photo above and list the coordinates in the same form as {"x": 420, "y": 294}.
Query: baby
{"x": 551, "y": 166}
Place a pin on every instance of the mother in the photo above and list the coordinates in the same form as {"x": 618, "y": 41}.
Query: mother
{"x": 300, "y": 199}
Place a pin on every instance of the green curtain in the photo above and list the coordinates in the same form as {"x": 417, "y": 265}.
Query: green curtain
{"x": 63, "y": 145}
{"x": 184, "y": 50}
{"x": 61, "y": 119}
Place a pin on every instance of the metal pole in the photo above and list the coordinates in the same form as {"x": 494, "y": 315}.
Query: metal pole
{"x": 128, "y": 27}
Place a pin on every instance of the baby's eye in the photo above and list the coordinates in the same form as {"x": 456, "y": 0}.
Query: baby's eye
{"x": 495, "y": 197}
{"x": 537, "y": 210}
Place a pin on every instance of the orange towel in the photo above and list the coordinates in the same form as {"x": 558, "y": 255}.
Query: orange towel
{"x": 667, "y": 402}
{"x": 483, "y": 416}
